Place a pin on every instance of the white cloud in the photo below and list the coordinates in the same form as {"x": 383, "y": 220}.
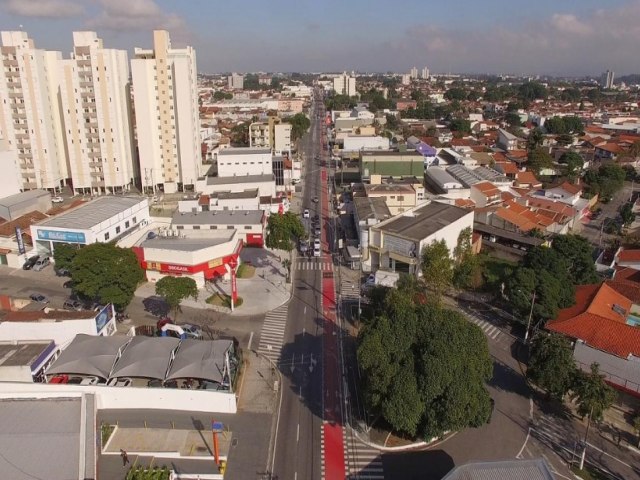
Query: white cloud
{"x": 43, "y": 8}
{"x": 136, "y": 15}
{"x": 570, "y": 24}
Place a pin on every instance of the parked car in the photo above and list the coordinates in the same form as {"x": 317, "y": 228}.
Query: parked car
{"x": 305, "y": 214}
{"x": 154, "y": 383}
{"x": 39, "y": 298}
{"x": 316, "y": 243}
{"x": 28, "y": 265}
{"x": 91, "y": 381}
{"x": 72, "y": 305}
{"x": 41, "y": 264}
{"x": 57, "y": 199}
{"x": 317, "y": 232}
{"x": 75, "y": 380}
{"x": 63, "y": 272}
{"x": 119, "y": 382}
{"x": 304, "y": 246}
{"x": 151, "y": 235}
{"x": 59, "y": 379}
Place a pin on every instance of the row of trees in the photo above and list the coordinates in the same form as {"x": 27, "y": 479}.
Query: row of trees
{"x": 424, "y": 367}
{"x": 545, "y": 281}
{"x": 563, "y": 125}
{"x": 605, "y": 181}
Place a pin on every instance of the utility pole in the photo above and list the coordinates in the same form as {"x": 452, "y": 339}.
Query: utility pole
{"x": 526, "y": 333}
{"x": 586, "y": 435}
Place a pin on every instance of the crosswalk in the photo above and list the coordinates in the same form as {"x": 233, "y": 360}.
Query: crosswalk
{"x": 349, "y": 291}
{"x": 363, "y": 462}
{"x": 272, "y": 334}
{"x": 313, "y": 264}
{"x": 489, "y": 329}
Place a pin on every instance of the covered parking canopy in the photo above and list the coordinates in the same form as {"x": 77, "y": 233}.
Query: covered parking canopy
{"x": 146, "y": 357}
{"x": 89, "y": 355}
{"x": 202, "y": 359}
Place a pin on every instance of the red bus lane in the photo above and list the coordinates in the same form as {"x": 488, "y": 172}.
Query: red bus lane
{"x": 333, "y": 446}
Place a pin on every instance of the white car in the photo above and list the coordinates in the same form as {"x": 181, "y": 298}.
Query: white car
{"x": 57, "y": 199}
{"x": 316, "y": 243}
{"x": 316, "y": 251}
{"x": 305, "y": 214}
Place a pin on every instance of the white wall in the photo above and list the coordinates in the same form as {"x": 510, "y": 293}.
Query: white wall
{"x": 449, "y": 233}
{"x": 128, "y": 398}
{"x": 241, "y": 164}
{"x": 355, "y": 142}
{"x": 61, "y": 332}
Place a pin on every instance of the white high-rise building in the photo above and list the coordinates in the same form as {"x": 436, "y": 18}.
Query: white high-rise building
{"x": 414, "y": 73}
{"x": 165, "y": 93}
{"x": 235, "y": 81}
{"x": 406, "y": 79}
{"x": 95, "y": 95}
{"x": 607, "y": 79}
{"x": 425, "y": 73}
{"x": 345, "y": 85}
{"x": 30, "y": 119}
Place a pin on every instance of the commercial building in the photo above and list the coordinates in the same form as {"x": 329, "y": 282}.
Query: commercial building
{"x": 250, "y": 224}
{"x": 30, "y": 119}
{"x": 391, "y": 164}
{"x": 23, "y": 360}
{"x": 399, "y": 197}
{"x": 165, "y": 96}
{"x": 265, "y": 184}
{"x": 243, "y": 161}
{"x": 95, "y": 97}
{"x": 396, "y": 244}
{"x": 345, "y": 85}
{"x": 20, "y": 204}
{"x": 103, "y": 220}
{"x": 354, "y": 143}
{"x": 235, "y": 81}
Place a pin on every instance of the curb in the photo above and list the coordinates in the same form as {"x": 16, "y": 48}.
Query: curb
{"x": 404, "y": 448}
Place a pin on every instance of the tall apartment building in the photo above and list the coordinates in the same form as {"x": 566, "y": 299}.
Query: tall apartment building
{"x": 607, "y": 79}
{"x": 414, "y": 73}
{"x": 345, "y": 85}
{"x": 273, "y": 134}
{"x": 30, "y": 118}
{"x": 95, "y": 94}
{"x": 235, "y": 81}
{"x": 167, "y": 121}
{"x": 425, "y": 73}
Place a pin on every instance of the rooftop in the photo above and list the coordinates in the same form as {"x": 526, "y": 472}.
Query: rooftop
{"x": 93, "y": 213}
{"x": 424, "y": 221}
{"x": 18, "y": 198}
{"x": 382, "y": 188}
{"x": 219, "y": 217}
{"x": 189, "y": 244}
{"x": 536, "y": 469}
{"x": 18, "y": 354}
{"x": 267, "y": 177}
{"x": 372, "y": 208}
{"x": 244, "y": 151}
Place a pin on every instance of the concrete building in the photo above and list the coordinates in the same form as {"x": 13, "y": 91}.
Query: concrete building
{"x": 15, "y": 206}
{"x": 104, "y": 220}
{"x": 9, "y": 165}
{"x": 399, "y": 197}
{"x": 95, "y": 95}
{"x": 265, "y": 184}
{"x": 165, "y": 96}
{"x": 242, "y": 161}
{"x": 273, "y": 134}
{"x": 425, "y": 73}
{"x": 606, "y": 81}
{"x": 345, "y": 85}
{"x": 354, "y": 143}
{"x": 30, "y": 118}
{"x": 396, "y": 244}
{"x": 414, "y": 73}
{"x": 235, "y": 81}
{"x": 391, "y": 164}
{"x": 250, "y": 224}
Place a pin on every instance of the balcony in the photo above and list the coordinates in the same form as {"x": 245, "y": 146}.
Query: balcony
{"x": 10, "y": 63}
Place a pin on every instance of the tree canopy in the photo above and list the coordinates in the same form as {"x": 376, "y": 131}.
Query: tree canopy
{"x": 175, "y": 289}
{"x": 592, "y": 394}
{"x": 437, "y": 268}
{"x": 551, "y": 365}
{"x": 107, "y": 273}
{"x": 424, "y": 367}
{"x": 466, "y": 264}
{"x": 456, "y": 93}
{"x": 578, "y": 253}
{"x": 573, "y": 161}
{"x": 460, "y": 125}
{"x": 530, "y": 91}
{"x": 538, "y": 160}
{"x": 283, "y": 230}
{"x": 563, "y": 125}
{"x": 534, "y": 140}
{"x": 220, "y": 95}
{"x": 64, "y": 254}
{"x": 340, "y": 102}
{"x": 605, "y": 181}
{"x": 300, "y": 123}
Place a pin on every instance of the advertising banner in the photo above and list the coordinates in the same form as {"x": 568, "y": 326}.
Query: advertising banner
{"x": 104, "y": 317}
{"x": 61, "y": 236}
{"x": 21, "y": 248}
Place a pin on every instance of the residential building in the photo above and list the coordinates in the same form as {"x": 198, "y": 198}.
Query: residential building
{"x": 425, "y": 73}
{"x": 273, "y": 134}
{"x": 508, "y": 141}
{"x": 399, "y": 197}
{"x": 406, "y": 79}
{"x": 30, "y": 118}
{"x": 345, "y": 85}
{"x": 235, "y": 81}
{"x": 606, "y": 81}
{"x": 242, "y": 161}
{"x": 405, "y": 104}
{"x": 485, "y": 193}
{"x": 414, "y": 73}
{"x": 95, "y": 96}
{"x": 11, "y": 177}
{"x": 167, "y": 120}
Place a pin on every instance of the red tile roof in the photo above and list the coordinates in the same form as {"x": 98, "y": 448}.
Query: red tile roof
{"x": 487, "y": 188}
{"x": 527, "y": 178}
{"x": 629, "y": 255}
{"x": 593, "y": 320}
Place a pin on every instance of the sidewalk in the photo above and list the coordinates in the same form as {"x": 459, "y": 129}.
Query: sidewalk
{"x": 265, "y": 291}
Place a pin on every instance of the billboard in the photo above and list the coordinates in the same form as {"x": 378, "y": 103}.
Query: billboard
{"x": 104, "y": 317}
{"x": 61, "y": 236}
{"x": 20, "y": 241}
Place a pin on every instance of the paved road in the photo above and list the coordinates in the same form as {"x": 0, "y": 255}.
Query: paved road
{"x": 297, "y": 446}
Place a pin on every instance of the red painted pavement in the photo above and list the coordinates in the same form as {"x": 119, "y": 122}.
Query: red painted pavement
{"x": 334, "y": 468}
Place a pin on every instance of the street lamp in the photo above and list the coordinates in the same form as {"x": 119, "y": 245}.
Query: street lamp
{"x": 233, "y": 263}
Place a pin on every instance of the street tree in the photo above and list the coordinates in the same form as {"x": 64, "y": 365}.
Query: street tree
{"x": 437, "y": 268}
{"x": 466, "y": 264}
{"x": 176, "y": 289}
{"x": 551, "y": 365}
{"x": 300, "y": 123}
{"x": 626, "y": 214}
{"x": 283, "y": 230}
{"x": 538, "y": 160}
{"x": 578, "y": 253}
{"x": 460, "y": 125}
{"x": 592, "y": 394}
{"x": 574, "y": 163}
{"x": 534, "y": 140}
{"x": 606, "y": 180}
{"x": 519, "y": 289}
{"x": 424, "y": 367}
{"x": 64, "y": 254}
{"x": 513, "y": 119}
{"x": 106, "y": 273}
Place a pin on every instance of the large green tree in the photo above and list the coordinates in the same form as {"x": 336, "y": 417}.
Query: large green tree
{"x": 551, "y": 365}
{"x": 437, "y": 268}
{"x": 64, "y": 254}
{"x": 626, "y": 214}
{"x": 534, "y": 140}
{"x": 424, "y": 367}
{"x": 538, "y": 160}
{"x": 606, "y": 180}
{"x": 574, "y": 163}
{"x": 283, "y": 230}
{"x": 578, "y": 253}
{"x": 460, "y": 125}
{"x": 176, "y": 289}
{"x": 300, "y": 123}
{"x": 592, "y": 394}
{"x": 107, "y": 273}
{"x": 466, "y": 264}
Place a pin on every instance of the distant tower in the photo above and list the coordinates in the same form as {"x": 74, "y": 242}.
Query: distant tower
{"x": 607, "y": 79}
{"x": 425, "y": 73}
{"x": 414, "y": 73}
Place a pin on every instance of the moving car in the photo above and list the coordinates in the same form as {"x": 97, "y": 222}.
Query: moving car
{"x": 305, "y": 214}
{"x": 304, "y": 246}
{"x": 315, "y": 199}
{"x": 57, "y": 199}
{"x": 28, "y": 265}
{"x": 39, "y": 298}
{"x": 41, "y": 264}
{"x": 316, "y": 251}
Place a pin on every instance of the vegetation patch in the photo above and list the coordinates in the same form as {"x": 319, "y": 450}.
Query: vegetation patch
{"x": 105, "y": 432}
{"x": 144, "y": 473}
{"x": 222, "y": 300}
{"x": 246, "y": 270}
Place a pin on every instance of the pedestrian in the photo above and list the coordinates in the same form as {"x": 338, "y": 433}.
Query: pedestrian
{"x": 125, "y": 458}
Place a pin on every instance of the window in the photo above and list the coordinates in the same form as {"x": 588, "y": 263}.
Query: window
{"x": 213, "y": 227}
{"x": 196, "y": 227}
{"x": 229, "y": 227}
{"x": 180, "y": 227}
{"x": 247, "y": 227}
{"x": 118, "y": 229}
{"x": 106, "y": 236}
{"x": 134, "y": 219}
{"x": 401, "y": 198}
{"x": 126, "y": 224}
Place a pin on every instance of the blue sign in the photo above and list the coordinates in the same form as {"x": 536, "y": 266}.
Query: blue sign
{"x": 21, "y": 249}
{"x": 60, "y": 236}
{"x": 104, "y": 317}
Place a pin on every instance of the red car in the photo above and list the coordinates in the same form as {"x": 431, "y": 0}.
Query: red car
{"x": 59, "y": 379}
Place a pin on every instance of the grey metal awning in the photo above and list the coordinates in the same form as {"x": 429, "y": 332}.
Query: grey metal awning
{"x": 146, "y": 357}
{"x": 202, "y": 359}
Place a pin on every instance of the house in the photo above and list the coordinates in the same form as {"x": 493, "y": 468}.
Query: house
{"x": 405, "y": 104}
{"x": 508, "y": 141}
{"x": 485, "y": 193}
{"x": 604, "y": 324}
{"x": 628, "y": 258}
{"x": 527, "y": 179}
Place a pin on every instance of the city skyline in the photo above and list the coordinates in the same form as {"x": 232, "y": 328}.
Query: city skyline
{"x": 545, "y": 38}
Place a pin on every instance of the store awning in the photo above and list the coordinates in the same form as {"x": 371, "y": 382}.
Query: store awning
{"x": 201, "y": 359}
{"x": 146, "y": 357}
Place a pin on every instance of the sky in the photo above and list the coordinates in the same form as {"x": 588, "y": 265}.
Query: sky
{"x": 541, "y": 37}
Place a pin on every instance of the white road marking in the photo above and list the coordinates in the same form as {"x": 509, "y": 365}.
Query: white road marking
{"x": 524, "y": 444}
{"x": 250, "y": 340}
